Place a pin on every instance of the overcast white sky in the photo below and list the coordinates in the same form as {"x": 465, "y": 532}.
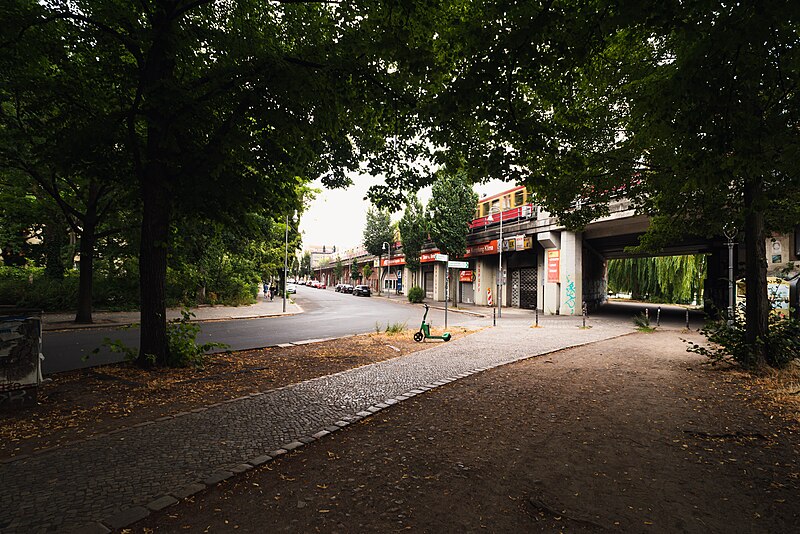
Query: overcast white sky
{"x": 337, "y": 216}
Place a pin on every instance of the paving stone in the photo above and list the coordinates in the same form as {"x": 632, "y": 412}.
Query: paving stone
{"x": 401, "y": 398}
{"x": 127, "y": 517}
{"x": 332, "y": 428}
{"x": 258, "y": 460}
{"x": 382, "y": 405}
{"x": 373, "y": 409}
{"x": 217, "y": 477}
{"x": 188, "y": 490}
{"x": 278, "y": 452}
{"x": 91, "y": 528}
{"x": 241, "y": 468}
{"x": 364, "y": 414}
{"x": 391, "y": 401}
{"x": 341, "y": 424}
{"x": 321, "y": 434}
{"x": 307, "y": 439}
{"x": 293, "y": 445}
{"x": 161, "y": 503}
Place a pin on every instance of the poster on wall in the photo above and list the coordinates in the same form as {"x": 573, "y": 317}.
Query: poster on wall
{"x": 553, "y": 266}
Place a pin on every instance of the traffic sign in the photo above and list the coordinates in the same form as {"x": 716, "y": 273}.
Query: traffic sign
{"x": 457, "y": 265}
{"x": 399, "y": 275}
{"x": 441, "y": 257}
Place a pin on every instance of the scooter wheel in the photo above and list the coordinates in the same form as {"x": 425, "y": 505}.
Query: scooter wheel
{"x": 418, "y": 336}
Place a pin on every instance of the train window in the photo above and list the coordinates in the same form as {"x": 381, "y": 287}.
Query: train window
{"x": 485, "y": 206}
{"x": 519, "y": 198}
{"x": 507, "y": 202}
{"x": 496, "y": 204}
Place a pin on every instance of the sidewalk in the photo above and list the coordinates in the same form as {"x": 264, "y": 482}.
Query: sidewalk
{"x": 112, "y": 480}
{"x": 262, "y": 308}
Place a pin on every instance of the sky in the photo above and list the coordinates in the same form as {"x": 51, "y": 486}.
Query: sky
{"x": 337, "y": 216}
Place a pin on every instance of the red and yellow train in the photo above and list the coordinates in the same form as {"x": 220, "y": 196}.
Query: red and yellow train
{"x": 513, "y": 204}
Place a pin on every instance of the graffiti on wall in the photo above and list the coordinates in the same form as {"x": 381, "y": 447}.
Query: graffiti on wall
{"x": 570, "y": 296}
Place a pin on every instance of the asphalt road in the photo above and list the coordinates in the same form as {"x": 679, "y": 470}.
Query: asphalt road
{"x": 326, "y": 314}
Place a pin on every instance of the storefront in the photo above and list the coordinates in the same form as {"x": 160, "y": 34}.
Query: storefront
{"x": 466, "y": 290}
{"x": 519, "y": 258}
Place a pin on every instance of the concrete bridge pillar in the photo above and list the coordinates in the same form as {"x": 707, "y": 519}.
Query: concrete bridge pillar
{"x": 571, "y": 273}
{"x": 563, "y": 251}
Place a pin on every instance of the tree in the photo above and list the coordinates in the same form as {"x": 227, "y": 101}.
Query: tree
{"x": 669, "y": 279}
{"x": 56, "y": 130}
{"x": 377, "y": 231}
{"x": 305, "y": 265}
{"x": 216, "y": 105}
{"x": 451, "y": 208}
{"x": 413, "y": 233}
{"x": 366, "y": 270}
{"x": 338, "y": 269}
{"x": 354, "y": 272}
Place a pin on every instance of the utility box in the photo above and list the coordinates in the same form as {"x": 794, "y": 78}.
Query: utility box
{"x": 20, "y": 357}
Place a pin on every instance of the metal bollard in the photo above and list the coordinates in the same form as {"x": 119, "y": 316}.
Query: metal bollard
{"x": 537, "y": 317}
{"x": 687, "y": 318}
{"x": 494, "y": 316}
{"x": 584, "y": 315}
{"x": 647, "y": 314}
{"x": 658, "y": 316}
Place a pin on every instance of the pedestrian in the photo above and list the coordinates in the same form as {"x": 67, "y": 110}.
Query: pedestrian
{"x": 272, "y": 290}
{"x": 266, "y": 288}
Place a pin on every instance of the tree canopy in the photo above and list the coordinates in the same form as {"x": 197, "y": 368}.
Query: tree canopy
{"x": 451, "y": 208}
{"x": 413, "y": 231}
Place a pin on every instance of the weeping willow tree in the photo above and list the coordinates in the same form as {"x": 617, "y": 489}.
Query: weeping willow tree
{"x": 670, "y": 279}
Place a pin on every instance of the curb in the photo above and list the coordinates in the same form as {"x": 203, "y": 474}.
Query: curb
{"x": 128, "y": 516}
{"x": 94, "y": 326}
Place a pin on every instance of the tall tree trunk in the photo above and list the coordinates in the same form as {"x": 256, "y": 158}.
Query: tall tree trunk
{"x": 153, "y": 268}
{"x": 757, "y": 312}
{"x": 85, "y": 278}
{"x": 154, "y": 177}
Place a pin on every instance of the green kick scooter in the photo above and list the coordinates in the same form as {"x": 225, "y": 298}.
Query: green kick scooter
{"x": 425, "y": 330}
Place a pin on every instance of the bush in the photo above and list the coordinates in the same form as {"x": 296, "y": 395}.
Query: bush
{"x": 181, "y": 341}
{"x": 642, "y": 323}
{"x": 395, "y": 328}
{"x": 416, "y": 294}
{"x": 728, "y": 343}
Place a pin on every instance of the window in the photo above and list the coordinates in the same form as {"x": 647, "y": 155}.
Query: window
{"x": 506, "y": 202}
{"x": 485, "y": 209}
{"x": 519, "y": 198}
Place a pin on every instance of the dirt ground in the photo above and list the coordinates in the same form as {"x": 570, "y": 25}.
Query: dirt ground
{"x": 630, "y": 435}
{"x": 79, "y": 404}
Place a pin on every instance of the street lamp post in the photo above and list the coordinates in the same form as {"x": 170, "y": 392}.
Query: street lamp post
{"x": 730, "y": 233}
{"x": 286, "y": 259}
{"x": 500, "y": 260}
{"x": 387, "y": 246}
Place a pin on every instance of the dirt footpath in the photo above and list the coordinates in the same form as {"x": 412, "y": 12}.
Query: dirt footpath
{"x": 628, "y": 435}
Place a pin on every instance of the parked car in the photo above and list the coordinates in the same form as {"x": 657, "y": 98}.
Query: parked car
{"x": 291, "y": 288}
{"x": 347, "y": 288}
{"x": 321, "y": 285}
{"x": 362, "y": 291}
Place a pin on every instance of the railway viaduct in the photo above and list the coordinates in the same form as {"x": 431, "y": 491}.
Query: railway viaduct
{"x": 548, "y": 267}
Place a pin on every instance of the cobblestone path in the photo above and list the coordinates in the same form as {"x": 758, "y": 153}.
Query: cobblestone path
{"x": 98, "y": 478}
